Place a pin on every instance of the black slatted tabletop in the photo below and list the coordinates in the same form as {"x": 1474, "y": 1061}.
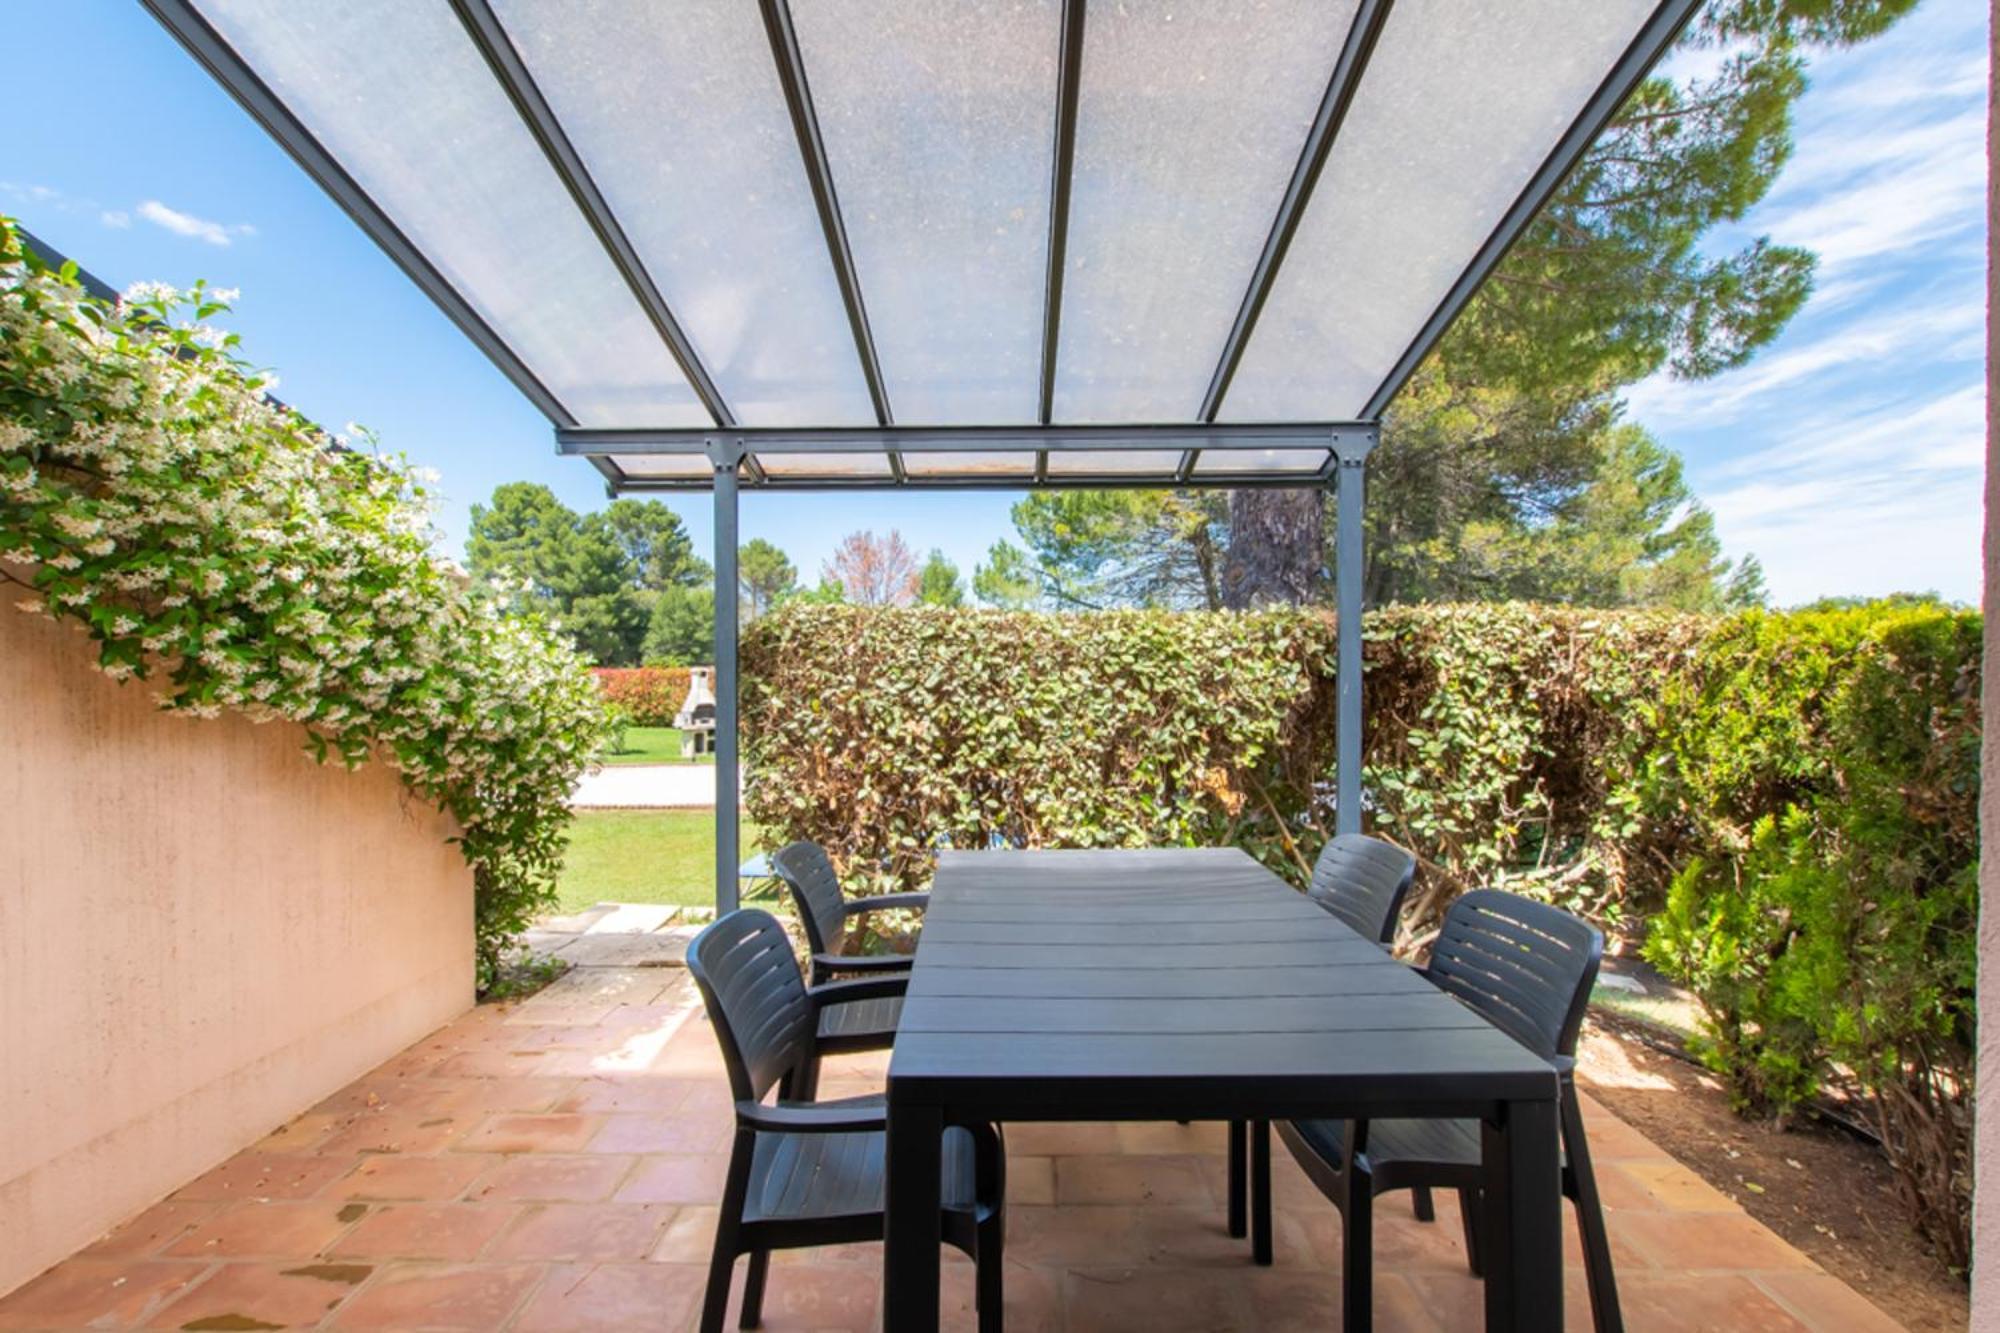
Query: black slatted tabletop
{"x": 1182, "y": 985}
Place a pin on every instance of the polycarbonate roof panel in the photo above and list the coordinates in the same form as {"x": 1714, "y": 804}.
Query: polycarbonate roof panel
{"x": 401, "y": 99}
{"x": 1189, "y": 124}
{"x": 939, "y": 122}
{"x": 1253, "y": 462}
{"x": 1114, "y": 462}
{"x": 969, "y": 463}
{"x": 678, "y": 114}
{"x": 1458, "y": 108}
{"x": 784, "y": 466}
{"x": 678, "y": 467}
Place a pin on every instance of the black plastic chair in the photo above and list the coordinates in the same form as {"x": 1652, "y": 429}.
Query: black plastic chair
{"x": 825, "y": 911}
{"x": 805, "y": 1173}
{"x": 1362, "y": 881}
{"x": 1527, "y": 968}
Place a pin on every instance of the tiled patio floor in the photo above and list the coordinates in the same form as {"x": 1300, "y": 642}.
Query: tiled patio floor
{"x": 554, "y": 1165}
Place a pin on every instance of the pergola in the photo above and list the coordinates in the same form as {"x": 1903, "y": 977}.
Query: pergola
{"x": 856, "y": 244}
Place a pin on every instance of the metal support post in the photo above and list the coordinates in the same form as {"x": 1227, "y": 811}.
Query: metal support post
{"x": 727, "y": 456}
{"x": 1350, "y": 451}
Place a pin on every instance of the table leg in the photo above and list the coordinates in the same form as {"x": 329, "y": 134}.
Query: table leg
{"x": 1522, "y": 1238}
{"x": 911, "y": 1234}
{"x": 1260, "y": 1192}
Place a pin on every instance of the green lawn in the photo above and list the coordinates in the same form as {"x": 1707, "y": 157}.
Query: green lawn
{"x": 643, "y": 856}
{"x": 652, "y": 745}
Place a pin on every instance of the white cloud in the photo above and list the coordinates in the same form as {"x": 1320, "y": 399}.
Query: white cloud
{"x": 187, "y": 224}
{"x": 115, "y": 217}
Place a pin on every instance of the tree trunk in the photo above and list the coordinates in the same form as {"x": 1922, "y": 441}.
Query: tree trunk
{"x": 1275, "y": 548}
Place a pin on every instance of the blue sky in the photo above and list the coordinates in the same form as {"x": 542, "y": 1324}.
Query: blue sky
{"x": 1846, "y": 456}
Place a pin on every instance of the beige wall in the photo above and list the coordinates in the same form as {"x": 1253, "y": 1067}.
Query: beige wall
{"x": 201, "y": 934}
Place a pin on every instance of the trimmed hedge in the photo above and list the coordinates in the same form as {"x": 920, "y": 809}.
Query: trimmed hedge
{"x": 1794, "y": 795}
{"x": 645, "y": 696}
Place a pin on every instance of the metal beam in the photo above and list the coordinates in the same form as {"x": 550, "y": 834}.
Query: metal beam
{"x": 968, "y": 439}
{"x": 726, "y": 459}
{"x": 1340, "y": 87}
{"x": 1349, "y": 566}
{"x": 215, "y": 55}
{"x": 497, "y": 48}
{"x": 791, "y": 67}
{"x": 1237, "y": 481}
{"x": 1069, "y": 78}
{"x": 1631, "y": 70}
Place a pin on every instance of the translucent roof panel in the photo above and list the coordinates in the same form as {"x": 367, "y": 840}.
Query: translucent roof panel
{"x": 1458, "y": 108}
{"x": 1190, "y": 119}
{"x": 939, "y": 121}
{"x": 1114, "y": 462}
{"x": 678, "y": 114}
{"x": 824, "y": 465}
{"x": 969, "y": 463}
{"x": 1244, "y": 462}
{"x": 677, "y": 467}
{"x": 399, "y": 96}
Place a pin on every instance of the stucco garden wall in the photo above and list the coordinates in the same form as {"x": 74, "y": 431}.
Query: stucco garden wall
{"x": 202, "y": 933}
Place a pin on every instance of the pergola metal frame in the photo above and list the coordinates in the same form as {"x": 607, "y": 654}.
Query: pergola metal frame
{"x": 732, "y": 450}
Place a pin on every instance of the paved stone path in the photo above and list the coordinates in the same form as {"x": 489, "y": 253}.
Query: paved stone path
{"x": 615, "y": 935}
{"x": 647, "y": 786}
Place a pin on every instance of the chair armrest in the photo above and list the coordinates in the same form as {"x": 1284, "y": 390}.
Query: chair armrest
{"x": 805, "y": 1118}
{"x": 864, "y": 962}
{"x": 915, "y": 902}
{"x": 864, "y": 988}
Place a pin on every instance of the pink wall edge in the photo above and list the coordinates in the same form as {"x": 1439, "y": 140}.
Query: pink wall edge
{"x": 202, "y": 933}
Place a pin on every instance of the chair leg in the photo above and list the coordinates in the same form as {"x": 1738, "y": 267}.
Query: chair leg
{"x": 1468, "y": 1213}
{"x": 1420, "y": 1204}
{"x": 1357, "y": 1253}
{"x": 1239, "y": 1150}
{"x": 988, "y": 1271}
{"x": 1260, "y": 1192}
{"x": 753, "y": 1289}
{"x": 1582, "y": 1186}
{"x": 721, "y": 1266}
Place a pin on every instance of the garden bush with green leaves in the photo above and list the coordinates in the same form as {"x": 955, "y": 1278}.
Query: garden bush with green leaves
{"x": 648, "y": 696}
{"x": 219, "y": 546}
{"x": 1785, "y": 803}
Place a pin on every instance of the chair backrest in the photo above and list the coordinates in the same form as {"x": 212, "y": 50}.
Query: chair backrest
{"x": 1363, "y": 880}
{"x": 815, "y": 892}
{"x": 1525, "y": 966}
{"x": 756, "y": 999}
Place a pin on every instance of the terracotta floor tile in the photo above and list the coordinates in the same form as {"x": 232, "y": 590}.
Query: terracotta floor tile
{"x": 278, "y": 1230}
{"x": 1669, "y": 1184}
{"x": 552, "y": 1178}
{"x": 464, "y": 1298}
{"x": 1686, "y": 1303}
{"x": 532, "y": 1133}
{"x": 1825, "y": 1303}
{"x": 264, "y": 1295}
{"x": 393, "y": 1176}
{"x": 446, "y": 1231}
{"x": 298, "y": 1134}
{"x": 648, "y": 1094}
{"x": 615, "y": 1298}
{"x": 1030, "y": 1179}
{"x": 675, "y": 1179}
{"x": 1126, "y": 1179}
{"x": 689, "y": 1237}
{"x": 814, "y": 1296}
{"x": 397, "y": 1131}
{"x": 661, "y": 1132}
{"x": 1706, "y": 1242}
{"x": 583, "y": 1232}
{"x": 152, "y": 1230}
{"x": 1168, "y": 1138}
{"x": 96, "y": 1293}
{"x": 1061, "y": 1138}
{"x": 1146, "y": 1300}
{"x": 262, "y": 1175}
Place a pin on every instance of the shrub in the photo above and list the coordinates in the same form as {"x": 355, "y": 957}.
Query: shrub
{"x": 648, "y": 696}
{"x": 216, "y": 543}
{"x": 1793, "y": 794}
{"x": 1827, "y": 770}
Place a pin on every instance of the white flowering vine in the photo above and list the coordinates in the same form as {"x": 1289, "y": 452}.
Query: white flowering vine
{"x": 220, "y": 546}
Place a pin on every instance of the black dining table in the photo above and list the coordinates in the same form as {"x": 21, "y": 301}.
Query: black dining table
{"x": 1192, "y": 985}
